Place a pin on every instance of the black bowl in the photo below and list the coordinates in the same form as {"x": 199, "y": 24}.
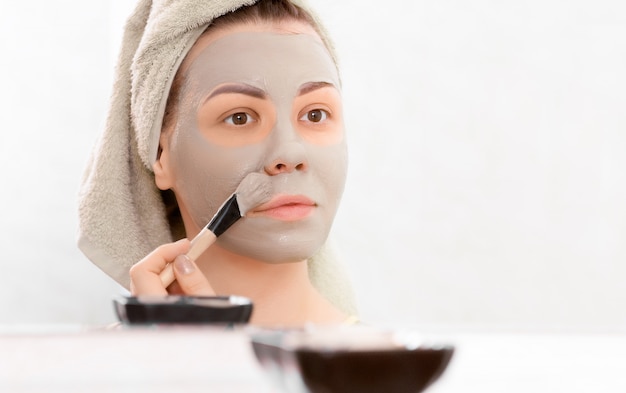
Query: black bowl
{"x": 174, "y": 309}
{"x": 346, "y": 360}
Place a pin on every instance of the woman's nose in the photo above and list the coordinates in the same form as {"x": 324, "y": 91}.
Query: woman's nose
{"x": 288, "y": 157}
{"x": 288, "y": 153}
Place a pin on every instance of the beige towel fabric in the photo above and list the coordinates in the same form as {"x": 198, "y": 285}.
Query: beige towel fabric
{"x": 121, "y": 213}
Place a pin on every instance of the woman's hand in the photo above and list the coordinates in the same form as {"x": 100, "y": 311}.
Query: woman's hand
{"x": 145, "y": 280}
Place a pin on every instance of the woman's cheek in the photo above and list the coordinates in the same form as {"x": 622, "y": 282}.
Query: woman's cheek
{"x": 206, "y": 174}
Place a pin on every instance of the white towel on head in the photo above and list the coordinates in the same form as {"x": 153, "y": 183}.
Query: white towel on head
{"x": 121, "y": 212}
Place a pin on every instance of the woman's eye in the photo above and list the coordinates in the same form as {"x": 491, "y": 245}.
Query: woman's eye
{"x": 239, "y": 119}
{"x": 315, "y": 115}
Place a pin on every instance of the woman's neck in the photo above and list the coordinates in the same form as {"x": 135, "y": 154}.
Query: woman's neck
{"x": 282, "y": 294}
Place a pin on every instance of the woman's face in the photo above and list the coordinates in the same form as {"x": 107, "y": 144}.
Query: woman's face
{"x": 263, "y": 100}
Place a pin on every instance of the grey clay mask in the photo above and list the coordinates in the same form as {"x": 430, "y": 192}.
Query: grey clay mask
{"x": 276, "y": 80}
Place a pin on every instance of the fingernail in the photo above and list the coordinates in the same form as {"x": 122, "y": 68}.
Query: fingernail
{"x": 184, "y": 264}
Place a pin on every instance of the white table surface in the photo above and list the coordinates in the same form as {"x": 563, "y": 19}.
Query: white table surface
{"x": 130, "y": 360}
{"x": 216, "y": 360}
{"x": 525, "y": 363}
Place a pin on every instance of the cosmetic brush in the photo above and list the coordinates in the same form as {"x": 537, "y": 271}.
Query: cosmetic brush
{"x": 253, "y": 190}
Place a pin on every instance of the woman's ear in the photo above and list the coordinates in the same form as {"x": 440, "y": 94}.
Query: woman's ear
{"x": 162, "y": 170}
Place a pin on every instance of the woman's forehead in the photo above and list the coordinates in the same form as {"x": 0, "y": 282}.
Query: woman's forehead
{"x": 267, "y": 60}
{"x": 287, "y": 27}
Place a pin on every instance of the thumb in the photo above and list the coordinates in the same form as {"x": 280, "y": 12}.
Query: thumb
{"x": 190, "y": 278}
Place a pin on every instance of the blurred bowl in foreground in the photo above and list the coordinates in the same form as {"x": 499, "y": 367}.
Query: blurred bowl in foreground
{"x": 175, "y": 309}
{"x": 349, "y": 359}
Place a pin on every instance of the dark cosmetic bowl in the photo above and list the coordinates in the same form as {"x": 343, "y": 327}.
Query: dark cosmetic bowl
{"x": 347, "y": 360}
{"x": 174, "y": 309}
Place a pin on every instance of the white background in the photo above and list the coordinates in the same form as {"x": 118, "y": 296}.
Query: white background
{"x": 487, "y": 183}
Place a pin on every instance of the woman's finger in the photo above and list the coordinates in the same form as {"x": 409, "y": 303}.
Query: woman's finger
{"x": 190, "y": 278}
{"x": 144, "y": 275}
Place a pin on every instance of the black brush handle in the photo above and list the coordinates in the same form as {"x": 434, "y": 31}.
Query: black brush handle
{"x": 226, "y": 216}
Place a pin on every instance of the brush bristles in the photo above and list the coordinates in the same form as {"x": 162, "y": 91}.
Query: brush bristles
{"x": 253, "y": 190}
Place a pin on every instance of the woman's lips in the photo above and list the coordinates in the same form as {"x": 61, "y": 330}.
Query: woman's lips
{"x": 285, "y": 207}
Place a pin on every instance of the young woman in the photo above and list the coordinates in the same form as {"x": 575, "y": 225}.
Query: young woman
{"x": 255, "y": 90}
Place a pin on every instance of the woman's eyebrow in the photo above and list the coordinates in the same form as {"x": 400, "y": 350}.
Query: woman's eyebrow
{"x": 312, "y": 86}
{"x": 238, "y": 89}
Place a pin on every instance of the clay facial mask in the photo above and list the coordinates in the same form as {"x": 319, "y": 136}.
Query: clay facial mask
{"x": 268, "y": 103}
